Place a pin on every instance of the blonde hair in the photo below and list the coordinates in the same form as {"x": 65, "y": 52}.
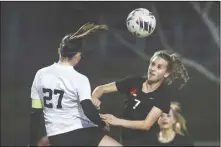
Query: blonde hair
{"x": 72, "y": 42}
{"x": 175, "y": 67}
{"x": 180, "y": 125}
{"x": 87, "y": 29}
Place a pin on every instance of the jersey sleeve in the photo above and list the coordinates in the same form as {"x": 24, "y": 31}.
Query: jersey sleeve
{"x": 163, "y": 102}
{"x": 34, "y": 88}
{"x": 36, "y": 101}
{"x": 84, "y": 90}
{"x": 124, "y": 85}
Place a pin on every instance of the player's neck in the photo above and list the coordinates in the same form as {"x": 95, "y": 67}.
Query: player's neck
{"x": 149, "y": 87}
{"x": 64, "y": 62}
{"x": 166, "y": 135}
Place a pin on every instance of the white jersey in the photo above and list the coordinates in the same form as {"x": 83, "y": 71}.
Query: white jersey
{"x": 61, "y": 89}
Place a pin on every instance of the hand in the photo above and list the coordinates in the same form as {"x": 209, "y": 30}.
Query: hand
{"x": 43, "y": 142}
{"x": 111, "y": 119}
{"x": 96, "y": 102}
{"x": 107, "y": 127}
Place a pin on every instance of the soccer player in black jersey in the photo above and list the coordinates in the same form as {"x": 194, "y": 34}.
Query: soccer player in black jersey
{"x": 146, "y": 98}
{"x": 173, "y": 130}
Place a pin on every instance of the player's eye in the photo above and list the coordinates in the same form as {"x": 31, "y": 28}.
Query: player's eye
{"x": 159, "y": 66}
{"x": 163, "y": 115}
{"x": 153, "y": 64}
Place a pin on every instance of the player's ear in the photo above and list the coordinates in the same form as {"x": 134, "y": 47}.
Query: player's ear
{"x": 59, "y": 52}
{"x": 166, "y": 74}
{"x": 75, "y": 59}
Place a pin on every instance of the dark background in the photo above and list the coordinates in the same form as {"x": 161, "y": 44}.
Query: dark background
{"x": 32, "y": 31}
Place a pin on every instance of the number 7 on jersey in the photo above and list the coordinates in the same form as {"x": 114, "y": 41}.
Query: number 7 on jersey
{"x": 137, "y": 103}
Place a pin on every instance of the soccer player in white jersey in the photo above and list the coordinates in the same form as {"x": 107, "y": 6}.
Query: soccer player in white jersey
{"x": 65, "y": 96}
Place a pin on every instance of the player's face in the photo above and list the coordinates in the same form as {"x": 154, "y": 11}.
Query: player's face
{"x": 157, "y": 69}
{"x": 166, "y": 121}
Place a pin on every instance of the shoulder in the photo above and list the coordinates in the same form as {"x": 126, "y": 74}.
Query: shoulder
{"x": 132, "y": 79}
{"x": 80, "y": 78}
{"x": 42, "y": 70}
{"x": 46, "y": 68}
{"x": 137, "y": 78}
{"x": 125, "y": 84}
{"x": 170, "y": 93}
{"x": 181, "y": 137}
{"x": 164, "y": 91}
{"x": 163, "y": 98}
{"x": 184, "y": 140}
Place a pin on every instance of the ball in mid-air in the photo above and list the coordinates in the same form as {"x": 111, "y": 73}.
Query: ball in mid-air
{"x": 141, "y": 22}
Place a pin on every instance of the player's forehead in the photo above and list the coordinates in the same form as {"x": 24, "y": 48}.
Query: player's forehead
{"x": 159, "y": 60}
{"x": 170, "y": 113}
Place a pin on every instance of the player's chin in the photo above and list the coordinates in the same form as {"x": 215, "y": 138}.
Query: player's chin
{"x": 152, "y": 80}
{"x": 166, "y": 126}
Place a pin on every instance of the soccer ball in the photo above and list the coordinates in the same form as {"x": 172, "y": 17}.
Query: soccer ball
{"x": 141, "y": 22}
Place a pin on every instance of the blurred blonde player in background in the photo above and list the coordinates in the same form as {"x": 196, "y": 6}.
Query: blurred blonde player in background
{"x": 173, "y": 129}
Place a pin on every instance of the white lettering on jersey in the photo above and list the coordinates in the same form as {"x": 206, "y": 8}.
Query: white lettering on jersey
{"x": 137, "y": 103}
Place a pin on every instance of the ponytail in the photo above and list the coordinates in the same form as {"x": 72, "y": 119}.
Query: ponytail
{"x": 72, "y": 42}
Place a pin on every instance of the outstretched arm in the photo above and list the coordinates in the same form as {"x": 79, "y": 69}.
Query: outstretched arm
{"x": 146, "y": 124}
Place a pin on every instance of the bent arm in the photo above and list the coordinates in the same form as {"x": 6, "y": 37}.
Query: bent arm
{"x": 89, "y": 109}
{"x": 91, "y": 112}
{"x": 107, "y": 88}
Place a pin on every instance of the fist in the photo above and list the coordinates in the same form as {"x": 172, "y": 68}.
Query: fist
{"x": 96, "y": 102}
